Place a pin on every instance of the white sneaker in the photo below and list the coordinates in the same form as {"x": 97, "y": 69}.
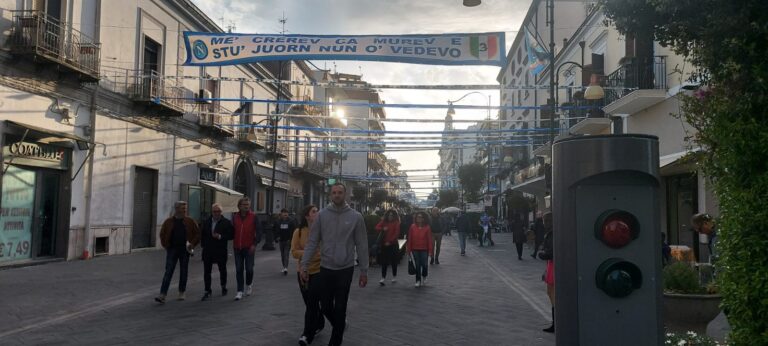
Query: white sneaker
{"x": 418, "y": 284}
{"x": 248, "y": 290}
{"x": 393, "y": 280}
{"x": 182, "y": 296}
{"x": 285, "y": 271}
{"x": 239, "y": 296}
{"x": 381, "y": 282}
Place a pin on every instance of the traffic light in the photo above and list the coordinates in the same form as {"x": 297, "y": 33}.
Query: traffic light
{"x": 607, "y": 240}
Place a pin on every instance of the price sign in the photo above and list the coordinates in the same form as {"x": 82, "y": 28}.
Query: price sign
{"x": 16, "y": 214}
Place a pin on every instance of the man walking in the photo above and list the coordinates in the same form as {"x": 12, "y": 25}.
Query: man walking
{"x": 246, "y": 236}
{"x": 538, "y": 231}
{"x": 485, "y": 223}
{"x": 462, "y": 227}
{"x": 436, "y": 224}
{"x": 283, "y": 228}
{"x": 178, "y": 235}
{"x": 216, "y": 232}
{"x": 339, "y": 230}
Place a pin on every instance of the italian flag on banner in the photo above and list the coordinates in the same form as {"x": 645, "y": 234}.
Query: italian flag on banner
{"x": 485, "y": 47}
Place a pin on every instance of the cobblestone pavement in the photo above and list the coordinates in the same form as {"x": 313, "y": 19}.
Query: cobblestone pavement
{"x": 485, "y": 298}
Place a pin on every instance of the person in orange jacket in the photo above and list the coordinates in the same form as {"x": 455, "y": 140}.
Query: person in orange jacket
{"x": 420, "y": 245}
{"x": 389, "y": 228}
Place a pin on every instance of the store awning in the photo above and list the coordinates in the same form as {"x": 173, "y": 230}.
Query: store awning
{"x": 536, "y": 186}
{"x": 674, "y": 163}
{"x": 43, "y": 135}
{"x": 224, "y": 196}
{"x": 278, "y": 184}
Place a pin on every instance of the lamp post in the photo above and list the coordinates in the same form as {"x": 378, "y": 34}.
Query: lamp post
{"x": 451, "y": 112}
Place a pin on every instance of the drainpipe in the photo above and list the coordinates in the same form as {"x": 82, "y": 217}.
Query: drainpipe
{"x": 87, "y": 250}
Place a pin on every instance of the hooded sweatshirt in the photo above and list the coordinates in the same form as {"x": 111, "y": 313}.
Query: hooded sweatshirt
{"x": 336, "y": 232}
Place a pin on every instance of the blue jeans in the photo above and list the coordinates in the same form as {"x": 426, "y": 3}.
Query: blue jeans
{"x": 172, "y": 255}
{"x": 243, "y": 261}
{"x": 462, "y": 241}
{"x": 420, "y": 258}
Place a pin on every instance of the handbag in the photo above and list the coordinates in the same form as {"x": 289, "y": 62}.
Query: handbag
{"x": 411, "y": 265}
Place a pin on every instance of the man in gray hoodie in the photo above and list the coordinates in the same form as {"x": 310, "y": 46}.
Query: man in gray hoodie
{"x": 337, "y": 231}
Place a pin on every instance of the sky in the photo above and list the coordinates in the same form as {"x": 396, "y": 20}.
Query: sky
{"x": 359, "y": 17}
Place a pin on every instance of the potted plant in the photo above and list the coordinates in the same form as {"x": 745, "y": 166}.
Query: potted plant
{"x": 688, "y": 305}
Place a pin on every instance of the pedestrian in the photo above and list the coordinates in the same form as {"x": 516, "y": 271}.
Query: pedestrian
{"x": 314, "y": 321}
{"x": 462, "y": 228}
{"x": 338, "y": 231}
{"x": 518, "y": 235}
{"x": 485, "y": 224}
{"x": 703, "y": 223}
{"x": 436, "y": 224}
{"x": 247, "y": 234}
{"x": 538, "y": 232}
{"x": 547, "y": 254}
{"x": 179, "y": 235}
{"x": 216, "y": 232}
{"x": 389, "y": 228}
{"x": 420, "y": 245}
{"x": 406, "y": 222}
{"x": 284, "y": 228}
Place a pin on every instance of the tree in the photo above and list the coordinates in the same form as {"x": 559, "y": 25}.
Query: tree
{"x": 378, "y": 197}
{"x": 447, "y": 198}
{"x": 472, "y": 179}
{"x": 359, "y": 195}
{"x": 727, "y": 43}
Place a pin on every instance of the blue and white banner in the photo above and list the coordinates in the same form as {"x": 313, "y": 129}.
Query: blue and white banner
{"x": 215, "y": 49}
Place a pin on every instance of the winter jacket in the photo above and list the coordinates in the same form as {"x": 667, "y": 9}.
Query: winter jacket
{"x": 247, "y": 232}
{"x": 420, "y": 239}
{"x": 337, "y": 232}
{"x": 166, "y": 231}
{"x": 298, "y": 243}
{"x": 283, "y": 229}
{"x": 393, "y": 231}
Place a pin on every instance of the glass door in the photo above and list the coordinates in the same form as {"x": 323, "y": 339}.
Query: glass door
{"x": 16, "y": 215}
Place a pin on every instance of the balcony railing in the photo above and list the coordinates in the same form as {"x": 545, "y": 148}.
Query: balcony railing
{"x": 218, "y": 118}
{"x": 36, "y": 33}
{"x": 636, "y": 73}
{"x": 534, "y": 170}
{"x": 148, "y": 87}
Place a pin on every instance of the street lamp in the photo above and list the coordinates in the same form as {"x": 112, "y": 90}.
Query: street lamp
{"x": 451, "y": 112}
{"x": 472, "y": 3}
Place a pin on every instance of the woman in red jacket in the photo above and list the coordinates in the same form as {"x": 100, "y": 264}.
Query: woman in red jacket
{"x": 420, "y": 246}
{"x": 389, "y": 230}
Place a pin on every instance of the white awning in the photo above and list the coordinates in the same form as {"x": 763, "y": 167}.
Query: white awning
{"x": 221, "y": 188}
{"x": 213, "y": 167}
{"x": 224, "y": 196}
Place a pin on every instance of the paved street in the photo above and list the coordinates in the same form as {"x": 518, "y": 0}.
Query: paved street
{"x": 485, "y": 298}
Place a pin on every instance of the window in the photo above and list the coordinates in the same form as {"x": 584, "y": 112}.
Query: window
{"x": 151, "y": 56}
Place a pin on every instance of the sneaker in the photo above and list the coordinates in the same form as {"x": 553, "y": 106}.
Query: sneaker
{"x": 463, "y": 254}
{"x": 182, "y": 296}
{"x": 206, "y": 296}
{"x": 303, "y": 341}
{"x": 381, "y": 282}
{"x": 239, "y": 295}
{"x": 393, "y": 280}
{"x": 418, "y": 284}
{"x": 551, "y": 329}
{"x": 285, "y": 271}
{"x": 224, "y": 291}
{"x": 437, "y": 261}
{"x": 248, "y": 290}
{"x": 160, "y": 299}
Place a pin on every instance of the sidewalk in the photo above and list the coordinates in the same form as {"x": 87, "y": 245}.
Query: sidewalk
{"x": 485, "y": 298}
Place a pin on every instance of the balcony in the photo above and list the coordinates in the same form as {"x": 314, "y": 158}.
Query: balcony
{"x": 250, "y": 136}
{"x": 531, "y": 179}
{"x": 311, "y": 167}
{"x": 280, "y": 150}
{"x": 158, "y": 95}
{"x": 636, "y": 85}
{"x": 376, "y": 161}
{"x": 217, "y": 120}
{"x": 47, "y": 40}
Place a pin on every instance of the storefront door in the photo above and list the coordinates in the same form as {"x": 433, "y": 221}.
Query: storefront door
{"x": 46, "y": 212}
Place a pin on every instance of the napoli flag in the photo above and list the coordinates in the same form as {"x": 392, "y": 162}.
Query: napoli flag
{"x": 484, "y": 47}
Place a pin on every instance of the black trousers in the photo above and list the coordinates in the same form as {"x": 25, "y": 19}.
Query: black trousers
{"x": 519, "y": 247}
{"x": 334, "y": 293}
{"x": 313, "y": 315}
{"x": 208, "y": 262}
{"x": 389, "y": 257}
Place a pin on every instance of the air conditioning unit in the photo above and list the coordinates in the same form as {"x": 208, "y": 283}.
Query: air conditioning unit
{"x": 204, "y": 96}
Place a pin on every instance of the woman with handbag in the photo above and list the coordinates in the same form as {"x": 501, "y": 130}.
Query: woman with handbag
{"x": 420, "y": 245}
{"x": 313, "y": 317}
{"x": 388, "y": 229}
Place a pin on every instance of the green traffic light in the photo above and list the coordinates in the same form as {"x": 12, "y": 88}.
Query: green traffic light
{"x": 618, "y": 278}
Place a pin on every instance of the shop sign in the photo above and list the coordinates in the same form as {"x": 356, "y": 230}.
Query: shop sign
{"x": 36, "y": 154}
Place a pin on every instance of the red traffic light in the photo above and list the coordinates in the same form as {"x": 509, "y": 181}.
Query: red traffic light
{"x": 616, "y": 228}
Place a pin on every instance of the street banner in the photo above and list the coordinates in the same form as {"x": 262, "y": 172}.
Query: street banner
{"x": 217, "y": 49}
